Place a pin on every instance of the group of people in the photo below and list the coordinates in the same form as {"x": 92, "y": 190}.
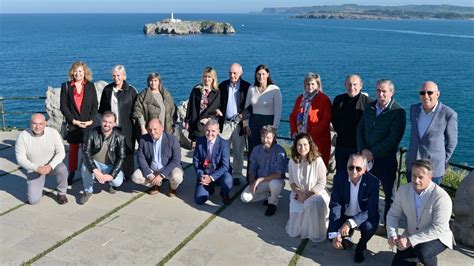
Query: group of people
{"x": 223, "y": 117}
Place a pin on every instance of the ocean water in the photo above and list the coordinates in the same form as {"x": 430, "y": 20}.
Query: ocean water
{"x": 36, "y": 51}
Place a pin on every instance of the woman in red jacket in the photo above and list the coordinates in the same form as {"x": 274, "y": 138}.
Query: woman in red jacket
{"x": 312, "y": 114}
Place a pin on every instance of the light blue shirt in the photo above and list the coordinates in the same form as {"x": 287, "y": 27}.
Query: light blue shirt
{"x": 156, "y": 164}
{"x": 420, "y": 199}
{"x": 424, "y": 120}
{"x": 379, "y": 109}
{"x": 231, "y": 110}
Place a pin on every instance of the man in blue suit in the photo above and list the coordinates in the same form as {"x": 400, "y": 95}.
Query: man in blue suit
{"x": 434, "y": 131}
{"x": 159, "y": 158}
{"x": 354, "y": 204}
{"x": 211, "y": 161}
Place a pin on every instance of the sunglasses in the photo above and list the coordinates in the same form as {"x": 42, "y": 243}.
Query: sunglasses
{"x": 423, "y": 93}
{"x": 352, "y": 167}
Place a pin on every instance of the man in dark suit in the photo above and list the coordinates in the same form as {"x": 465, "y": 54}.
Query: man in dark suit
{"x": 211, "y": 161}
{"x": 233, "y": 95}
{"x": 354, "y": 204}
{"x": 434, "y": 131}
{"x": 159, "y": 158}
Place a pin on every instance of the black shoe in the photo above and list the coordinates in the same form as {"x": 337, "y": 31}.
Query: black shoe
{"x": 265, "y": 202}
{"x": 226, "y": 200}
{"x": 111, "y": 190}
{"x": 236, "y": 182}
{"x": 70, "y": 178}
{"x": 359, "y": 256}
{"x": 347, "y": 242}
{"x": 61, "y": 199}
{"x": 85, "y": 197}
{"x": 271, "y": 209}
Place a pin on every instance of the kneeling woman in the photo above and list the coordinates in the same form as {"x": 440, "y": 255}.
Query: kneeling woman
{"x": 309, "y": 199}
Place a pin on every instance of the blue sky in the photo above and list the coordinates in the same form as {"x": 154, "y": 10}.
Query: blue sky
{"x": 184, "y": 6}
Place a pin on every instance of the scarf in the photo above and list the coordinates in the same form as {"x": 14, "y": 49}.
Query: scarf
{"x": 305, "y": 105}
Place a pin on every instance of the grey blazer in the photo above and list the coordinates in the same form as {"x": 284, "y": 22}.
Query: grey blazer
{"x": 433, "y": 222}
{"x": 439, "y": 141}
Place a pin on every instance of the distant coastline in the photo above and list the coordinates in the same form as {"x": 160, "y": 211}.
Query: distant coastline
{"x": 353, "y": 11}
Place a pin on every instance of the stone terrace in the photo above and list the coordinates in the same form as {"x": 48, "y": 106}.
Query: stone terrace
{"x": 132, "y": 227}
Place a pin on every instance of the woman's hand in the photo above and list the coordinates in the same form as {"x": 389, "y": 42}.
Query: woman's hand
{"x": 247, "y": 131}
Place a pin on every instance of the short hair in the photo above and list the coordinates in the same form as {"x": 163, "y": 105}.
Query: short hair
{"x": 313, "y": 149}
{"x": 348, "y": 77}
{"x": 268, "y": 129}
{"x": 154, "y": 118}
{"x": 391, "y": 87}
{"x": 211, "y": 122}
{"x": 314, "y": 76}
{"x": 237, "y": 65}
{"x": 360, "y": 156}
{"x": 110, "y": 113}
{"x": 423, "y": 164}
{"x": 120, "y": 68}
{"x": 75, "y": 65}
{"x": 37, "y": 114}
{"x": 212, "y": 71}
{"x": 269, "y": 79}
{"x": 154, "y": 75}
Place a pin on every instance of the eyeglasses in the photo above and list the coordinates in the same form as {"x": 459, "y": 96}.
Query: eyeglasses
{"x": 423, "y": 93}
{"x": 352, "y": 167}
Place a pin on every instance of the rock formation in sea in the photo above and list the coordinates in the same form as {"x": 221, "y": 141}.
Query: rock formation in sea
{"x": 184, "y": 27}
{"x": 464, "y": 216}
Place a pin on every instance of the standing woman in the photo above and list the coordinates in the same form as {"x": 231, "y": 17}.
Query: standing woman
{"x": 309, "y": 199}
{"x": 155, "y": 101}
{"x": 119, "y": 98}
{"x": 265, "y": 99}
{"x": 312, "y": 114}
{"x": 204, "y": 102}
{"x": 78, "y": 104}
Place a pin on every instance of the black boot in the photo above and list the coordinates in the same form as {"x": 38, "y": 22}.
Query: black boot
{"x": 70, "y": 178}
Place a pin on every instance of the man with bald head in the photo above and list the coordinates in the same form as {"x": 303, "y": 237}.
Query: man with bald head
{"x": 40, "y": 151}
{"x": 347, "y": 109}
{"x": 159, "y": 159}
{"x": 233, "y": 94}
{"x": 434, "y": 131}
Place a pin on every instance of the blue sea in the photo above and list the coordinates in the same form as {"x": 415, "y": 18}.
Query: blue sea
{"x": 38, "y": 49}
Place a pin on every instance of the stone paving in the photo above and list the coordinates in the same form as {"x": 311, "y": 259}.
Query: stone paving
{"x": 132, "y": 227}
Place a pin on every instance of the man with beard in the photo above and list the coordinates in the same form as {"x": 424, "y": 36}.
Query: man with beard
{"x": 266, "y": 171}
{"x": 104, "y": 154}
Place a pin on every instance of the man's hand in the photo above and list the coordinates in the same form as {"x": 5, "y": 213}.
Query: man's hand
{"x": 99, "y": 176}
{"x": 253, "y": 185}
{"x": 156, "y": 180}
{"x": 44, "y": 170}
{"x": 367, "y": 153}
{"x": 344, "y": 230}
{"x": 143, "y": 130}
{"x": 393, "y": 241}
{"x": 205, "y": 180}
{"x": 403, "y": 243}
{"x": 247, "y": 131}
{"x": 337, "y": 242}
{"x": 218, "y": 113}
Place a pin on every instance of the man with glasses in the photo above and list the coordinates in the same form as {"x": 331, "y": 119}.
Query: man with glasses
{"x": 378, "y": 135}
{"x": 354, "y": 204}
{"x": 434, "y": 131}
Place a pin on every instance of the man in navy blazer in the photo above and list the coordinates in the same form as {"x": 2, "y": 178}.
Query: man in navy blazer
{"x": 354, "y": 204}
{"x": 211, "y": 161}
{"x": 159, "y": 158}
{"x": 434, "y": 131}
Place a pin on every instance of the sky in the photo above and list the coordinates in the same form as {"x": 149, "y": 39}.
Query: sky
{"x": 186, "y": 6}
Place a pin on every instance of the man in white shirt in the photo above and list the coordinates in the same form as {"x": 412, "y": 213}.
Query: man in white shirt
{"x": 40, "y": 151}
{"x": 354, "y": 204}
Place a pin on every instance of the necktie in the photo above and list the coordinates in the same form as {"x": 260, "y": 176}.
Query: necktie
{"x": 209, "y": 150}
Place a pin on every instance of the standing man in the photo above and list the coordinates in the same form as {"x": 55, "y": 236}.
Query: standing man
{"x": 379, "y": 133}
{"x": 159, "y": 158}
{"x": 104, "y": 155}
{"x": 211, "y": 161}
{"x": 354, "y": 204}
{"x": 40, "y": 151}
{"x": 347, "y": 111}
{"x": 267, "y": 167}
{"x": 434, "y": 131}
{"x": 427, "y": 208}
{"x": 233, "y": 95}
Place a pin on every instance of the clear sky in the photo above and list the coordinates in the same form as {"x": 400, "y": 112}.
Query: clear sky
{"x": 185, "y": 6}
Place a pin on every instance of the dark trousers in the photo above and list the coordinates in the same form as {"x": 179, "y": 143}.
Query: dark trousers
{"x": 367, "y": 231}
{"x": 425, "y": 252}
{"x": 342, "y": 157}
{"x": 385, "y": 169}
{"x": 202, "y": 192}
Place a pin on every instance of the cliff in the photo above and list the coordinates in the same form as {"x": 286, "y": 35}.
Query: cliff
{"x": 184, "y": 27}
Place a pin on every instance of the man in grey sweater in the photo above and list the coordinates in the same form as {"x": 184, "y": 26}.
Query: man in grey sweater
{"x": 40, "y": 151}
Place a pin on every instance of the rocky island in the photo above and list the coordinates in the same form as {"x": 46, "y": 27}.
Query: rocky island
{"x": 184, "y": 27}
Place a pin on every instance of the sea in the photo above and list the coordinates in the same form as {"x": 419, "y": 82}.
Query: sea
{"x": 37, "y": 50}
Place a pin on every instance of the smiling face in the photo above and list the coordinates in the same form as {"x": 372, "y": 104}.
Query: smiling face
{"x": 311, "y": 86}
{"x": 118, "y": 77}
{"x": 262, "y": 77}
{"x": 107, "y": 124}
{"x": 155, "y": 128}
{"x": 356, "y": 168}
{"x": 353, "y": 85}
{"x": 154, "y": 83}
{"x": 207, "y": 79}
{"x": 212, "y": 131}
{"x": 78, "y": 74}
{"x": 429, "y": 101}
{"x": 384, "y": 93}
{"x": 302, "y": 146}
{"x": 267, "y": 140}
{"x": 38, "y": 123}
{"x": 235, "y": 72}
{"x": 420, "y": 178}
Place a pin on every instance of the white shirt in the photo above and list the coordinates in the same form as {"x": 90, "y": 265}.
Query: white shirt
{"x": 424, "y": 120}
{"x": 114, "y": 105}
{"x": 354, "y": 207}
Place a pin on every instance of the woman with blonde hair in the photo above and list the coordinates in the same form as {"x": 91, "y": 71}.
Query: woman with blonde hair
{"x": 78, "y": 104}
{"x": 309, "y": 199}
{"x": 203, "y": 104}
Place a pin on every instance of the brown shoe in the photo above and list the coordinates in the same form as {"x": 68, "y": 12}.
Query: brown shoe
{"x": 154, "y": 190}
{"x": 172, "y": 193}
{"x": 61, "y": 199}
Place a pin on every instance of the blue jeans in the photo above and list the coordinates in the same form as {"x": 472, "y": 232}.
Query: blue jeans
{"x": 88, "y": 177}
{"x": 436, "y": 179}
{"x": 202, "y": 192}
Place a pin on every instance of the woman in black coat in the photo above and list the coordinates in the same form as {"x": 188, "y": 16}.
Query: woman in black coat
{"x": 78, "y": 104}
{"x": 119, "y": 97}
{"x": 203, "y": 104}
